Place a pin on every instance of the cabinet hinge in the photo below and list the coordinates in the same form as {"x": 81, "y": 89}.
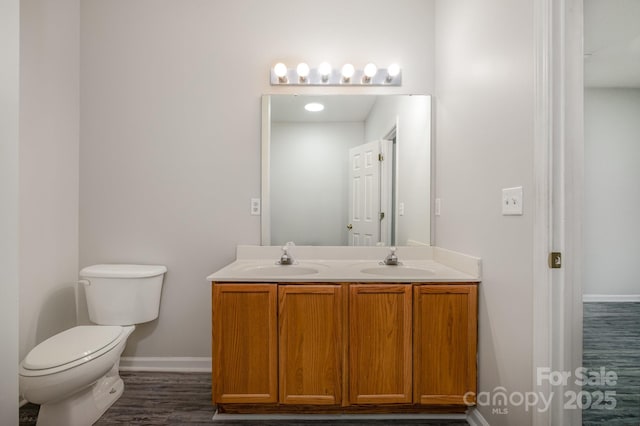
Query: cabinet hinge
{"x": 555, "y": 260}
{"x": 381, "y": 215}
{"x": 380, "y": 157}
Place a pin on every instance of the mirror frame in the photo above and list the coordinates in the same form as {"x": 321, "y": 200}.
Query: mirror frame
{"x": 265, "y": 184}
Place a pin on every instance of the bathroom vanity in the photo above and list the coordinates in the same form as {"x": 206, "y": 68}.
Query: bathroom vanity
{"x": 338, "y": 332}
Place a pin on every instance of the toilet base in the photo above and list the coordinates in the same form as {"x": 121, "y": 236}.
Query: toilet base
{"x": 85, "y": 407}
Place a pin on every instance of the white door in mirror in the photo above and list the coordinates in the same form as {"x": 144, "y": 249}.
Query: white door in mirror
{"x": 366, "y": 194}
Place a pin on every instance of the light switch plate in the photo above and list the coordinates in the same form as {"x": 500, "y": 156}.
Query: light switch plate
{"x": 437, "y": 207}
{"x": 512, "y": 201}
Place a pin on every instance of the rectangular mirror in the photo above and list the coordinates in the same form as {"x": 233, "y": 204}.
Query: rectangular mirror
{"x": 358, "y": 172}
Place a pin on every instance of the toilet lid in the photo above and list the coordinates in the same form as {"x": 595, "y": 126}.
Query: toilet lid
{"x": 71, "y": 345}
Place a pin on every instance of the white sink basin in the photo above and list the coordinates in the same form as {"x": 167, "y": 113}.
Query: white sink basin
{"x": 397, "y": 271}
{"x": 279, "y": 270}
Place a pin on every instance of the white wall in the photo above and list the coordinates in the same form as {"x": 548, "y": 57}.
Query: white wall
{"x": 612, "y": 196}
{"x": 413, "y": 150}
{"x": 484, "y": 142}
{"x": 309, "y": 181}
{"x": 9, "y": 267}
{"x": 49, "y": 145}
{"x": 170, "y": 128}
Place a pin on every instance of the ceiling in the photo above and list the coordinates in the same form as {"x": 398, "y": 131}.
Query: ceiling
{"x": 612, "y": 43}
{"x": 336, "y": 108}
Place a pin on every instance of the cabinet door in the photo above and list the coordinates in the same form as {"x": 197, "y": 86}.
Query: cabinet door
{"x": 445, "y": 341}
{"x": 380, "y": 344}
{"x": 244, "y": 343}
{"x": 311, "y": 344}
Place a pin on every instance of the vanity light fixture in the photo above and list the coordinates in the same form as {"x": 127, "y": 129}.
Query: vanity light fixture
{"x": 314, "y": 107}
{"x": 326, "y": 75}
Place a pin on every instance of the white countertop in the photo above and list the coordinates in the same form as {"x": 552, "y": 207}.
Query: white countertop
{"x": 349, "y": 264}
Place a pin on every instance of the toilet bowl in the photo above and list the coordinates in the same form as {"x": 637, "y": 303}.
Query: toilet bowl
{"x": 74, "y": 375}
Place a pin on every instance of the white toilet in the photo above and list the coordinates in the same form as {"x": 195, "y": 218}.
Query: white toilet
{"x": 74, "y": 375}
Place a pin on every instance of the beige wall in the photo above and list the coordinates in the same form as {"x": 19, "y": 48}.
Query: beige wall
{"x": 49, "y": 144}
{"x": 170, "y": 128}
{"x": 484, "y": 142}
{"x": 9, "y": 108}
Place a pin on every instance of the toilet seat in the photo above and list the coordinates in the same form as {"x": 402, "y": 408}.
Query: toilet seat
{"x": 71, "y": 348}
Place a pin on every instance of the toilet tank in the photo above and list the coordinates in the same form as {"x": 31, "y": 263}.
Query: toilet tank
{"x": 123, "y": 294}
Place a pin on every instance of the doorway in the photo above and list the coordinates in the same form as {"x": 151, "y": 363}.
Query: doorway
{"x": 611, "y": 230}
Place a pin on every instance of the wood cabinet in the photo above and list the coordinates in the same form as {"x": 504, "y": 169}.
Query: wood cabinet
{"x": 444, "y": 345}
{"x": 380, "y": 344}
{"x": 348, "y": 347}
{"x": 311, "y": 344}
{"x": 245, "y": 351}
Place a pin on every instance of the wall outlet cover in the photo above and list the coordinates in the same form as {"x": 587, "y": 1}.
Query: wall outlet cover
{"x": 255, "y": 207}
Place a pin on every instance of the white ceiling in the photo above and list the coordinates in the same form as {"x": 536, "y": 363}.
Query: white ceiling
{"x": 336, "y": 108}
{"x": 612, "y": 43}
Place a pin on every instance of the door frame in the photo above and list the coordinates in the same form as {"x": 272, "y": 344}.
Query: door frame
{"x": 387, "y": 189}
{"x": 558, "y": 170}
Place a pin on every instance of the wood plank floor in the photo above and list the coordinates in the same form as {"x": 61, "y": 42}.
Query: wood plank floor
{"x": 185, "y": 399}
{"x": 612, "y": 340}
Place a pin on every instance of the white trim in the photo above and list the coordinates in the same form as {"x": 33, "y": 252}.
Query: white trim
{"x": 558, "y": 155}
{"x": 573, "y": 184}
{"x": 474, "y": 418}
{"x": 167, "y": 364}
{"x": 386, "y": 191}
{"x": 621, "y": 298}
{"x": 542, "y": 225}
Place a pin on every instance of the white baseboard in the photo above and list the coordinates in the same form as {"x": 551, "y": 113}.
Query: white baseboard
{"x": 592, "y": 298}
{"x": 474, "y": 418}
{"x": 168, "y": 364}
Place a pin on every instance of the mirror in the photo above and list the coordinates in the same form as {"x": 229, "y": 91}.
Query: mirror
{"x": 356, "y": 173}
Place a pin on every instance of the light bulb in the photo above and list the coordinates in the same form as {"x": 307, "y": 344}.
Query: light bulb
{"x": 324, "y": 69}
{"x": 347, "y": 71}
{"x": 280, "y": 70}
{"x": 393, "y": 70}
{"x": 370, "y": 70}
{"x": 303, "y": 70}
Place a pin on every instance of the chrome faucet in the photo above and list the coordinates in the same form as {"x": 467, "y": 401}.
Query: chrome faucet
{"x": 391, "y": 258}
{"x": 286, "y": 258}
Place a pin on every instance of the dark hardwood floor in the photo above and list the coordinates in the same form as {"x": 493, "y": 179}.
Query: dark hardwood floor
{"x": 611, "y": 340}
{"x": 185, "y": 399}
